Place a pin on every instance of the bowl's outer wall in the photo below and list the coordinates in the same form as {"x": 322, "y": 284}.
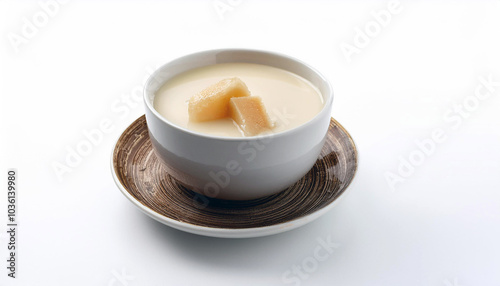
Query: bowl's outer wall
{"x": 237, "y": 168}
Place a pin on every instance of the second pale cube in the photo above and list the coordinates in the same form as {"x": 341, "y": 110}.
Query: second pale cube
{"x": 250, "y": 114}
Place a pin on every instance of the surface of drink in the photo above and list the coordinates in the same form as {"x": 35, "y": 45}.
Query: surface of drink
{"x": 290, "y": 100}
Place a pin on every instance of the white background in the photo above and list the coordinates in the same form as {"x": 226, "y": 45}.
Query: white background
{"x": 439, "y": 225}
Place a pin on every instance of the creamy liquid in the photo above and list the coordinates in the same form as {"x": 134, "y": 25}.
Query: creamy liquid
{"x": 290, "y": 100}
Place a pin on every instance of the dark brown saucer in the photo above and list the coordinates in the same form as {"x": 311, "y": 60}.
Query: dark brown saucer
{"x": 142, "y": 179}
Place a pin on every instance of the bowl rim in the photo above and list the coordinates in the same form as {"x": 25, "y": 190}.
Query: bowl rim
{"x": 326, "y": 106}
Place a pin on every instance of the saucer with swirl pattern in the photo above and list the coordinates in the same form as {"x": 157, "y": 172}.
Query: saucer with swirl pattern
{"x": 141, "y": 177}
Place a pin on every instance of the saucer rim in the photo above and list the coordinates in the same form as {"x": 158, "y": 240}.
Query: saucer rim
{"x": 221, "y": 232}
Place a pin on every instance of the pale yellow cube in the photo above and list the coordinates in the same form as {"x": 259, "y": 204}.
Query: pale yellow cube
{"x": 250, "y": 114}
{"x": 213, "y": 102}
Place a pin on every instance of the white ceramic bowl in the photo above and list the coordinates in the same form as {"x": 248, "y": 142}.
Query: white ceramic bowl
{"x": 221, "y": 167}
